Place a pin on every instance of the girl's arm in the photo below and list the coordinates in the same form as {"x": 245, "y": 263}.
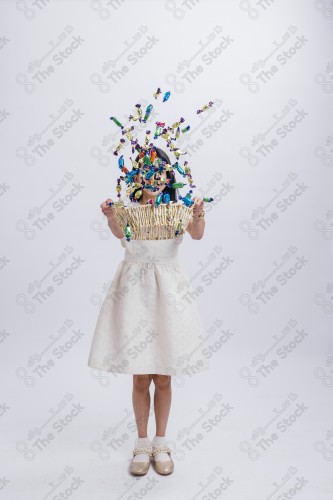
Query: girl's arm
{"x": 114, "y": 227}
{"x": 112, "y": 222}
{"x": 196, "y": 226}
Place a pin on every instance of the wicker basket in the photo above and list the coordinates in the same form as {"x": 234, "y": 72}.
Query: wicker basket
{"x": 150, "y": 222}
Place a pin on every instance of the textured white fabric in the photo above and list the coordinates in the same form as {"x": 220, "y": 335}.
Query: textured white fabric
{"x": 148, "y": 324}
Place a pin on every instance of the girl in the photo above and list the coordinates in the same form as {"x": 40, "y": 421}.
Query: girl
{"x": 146, "y": 327}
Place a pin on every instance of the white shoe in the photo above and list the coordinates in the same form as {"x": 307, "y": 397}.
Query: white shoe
{"x": 166, "y": 466}
{"x": 140, "y": 468}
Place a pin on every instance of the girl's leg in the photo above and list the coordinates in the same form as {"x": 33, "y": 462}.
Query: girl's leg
{"x": 162, "y": 402}
{"x": 141, "y": 402}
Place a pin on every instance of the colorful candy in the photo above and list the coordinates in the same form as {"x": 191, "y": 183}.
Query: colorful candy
{"x": 148, "y": 112}
{"x": 127, "y": 132}
{"x": 179, "y": 168}
{"x": 149, "y": 174}
{"x": 158, "y": 199}
{"x": 187, "y": 200}
{"x": 118, "y": 188}
{"x": 179, "y": 228}
{"x": 159, "y": 129}
{"x": 138, "y": 112}
{"x": 157, "y": 93}
{"x": 166, "y": 136}
{"x": 176, "y": 185}
{"x": 166, "y": 96}
{"x": 153, "y": 155}
{"x": 128, "y": 232}
{"x": 205, "y": 107}
{"x": 177, "y": 124}
{"x": 121, "y": 165}
{"x": 134, "y": 163}
{"x": 147, "y": 138}
{"x": 117, "y": 122}
{"x": 166, "y": 198}
{"x": 120, "y": 145}
{"x": 178, "y": 153}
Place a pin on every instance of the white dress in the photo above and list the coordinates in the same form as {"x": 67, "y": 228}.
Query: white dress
{"x": 149, "y": 322}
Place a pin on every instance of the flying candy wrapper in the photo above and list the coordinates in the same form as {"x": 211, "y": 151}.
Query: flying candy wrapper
{"x": 205, "y": 107}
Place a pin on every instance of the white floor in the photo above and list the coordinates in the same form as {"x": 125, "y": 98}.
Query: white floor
{"x": 227, "y": 438}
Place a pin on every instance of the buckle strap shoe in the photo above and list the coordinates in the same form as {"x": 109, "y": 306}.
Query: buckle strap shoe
{"x": 166, "y": 466}
{"x": 140, "y": 468}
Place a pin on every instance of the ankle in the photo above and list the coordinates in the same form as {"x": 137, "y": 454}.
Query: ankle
{"x": 143, "y": 441}
{"x": 158, "y": 440}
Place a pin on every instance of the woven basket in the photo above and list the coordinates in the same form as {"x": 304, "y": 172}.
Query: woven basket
{"x": 148, "y": 222}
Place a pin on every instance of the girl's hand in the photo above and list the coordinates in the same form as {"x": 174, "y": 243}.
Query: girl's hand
{"x": 108, "y": 211}
{"x": 198, "y": 206}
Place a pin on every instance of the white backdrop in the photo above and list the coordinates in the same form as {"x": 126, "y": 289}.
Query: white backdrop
{"x": 258, "y": 424}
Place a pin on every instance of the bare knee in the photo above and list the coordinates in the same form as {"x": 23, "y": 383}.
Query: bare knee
{"x": 161, "y": 381}
{"x": 142, "y": 382}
